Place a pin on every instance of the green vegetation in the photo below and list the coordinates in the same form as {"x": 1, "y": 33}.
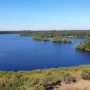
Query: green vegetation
{"x": 40, "y": 36}
{"x": 53, "y": 33}
{"x": 45, "y": 79}
{"x": 57, "y": 39}
{"x": 45, "y": 35}
{"x": 67, "y": 41}
{"x": 84, "y": 46}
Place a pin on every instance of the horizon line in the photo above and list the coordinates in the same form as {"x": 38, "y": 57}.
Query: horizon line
{"x": 51, "y": 30}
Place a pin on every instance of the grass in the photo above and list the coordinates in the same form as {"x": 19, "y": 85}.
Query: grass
{"x": 45, "y": 79}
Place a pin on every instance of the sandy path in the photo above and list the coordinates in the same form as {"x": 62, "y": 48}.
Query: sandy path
{"x": 80, "y": 85}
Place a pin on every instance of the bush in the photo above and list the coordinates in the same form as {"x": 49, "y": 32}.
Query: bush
{"x": 16, "y": 82}
{"x": 83, "y": 46}
{"x": 67, "y": 41}
{"x": 86, "y": 74}
{"x": 68, "y": 78}
{"x": 32, "y": 82}
{"x": 57, "y": 39}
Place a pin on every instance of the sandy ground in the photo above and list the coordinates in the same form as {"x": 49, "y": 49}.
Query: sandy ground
{"x": 80, "y": 85}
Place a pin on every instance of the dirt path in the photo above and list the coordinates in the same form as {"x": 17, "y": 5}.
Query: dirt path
{"x": 80, "y": 85}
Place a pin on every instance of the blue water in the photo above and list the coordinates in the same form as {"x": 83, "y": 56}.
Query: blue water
{"x": 24, "y": 53}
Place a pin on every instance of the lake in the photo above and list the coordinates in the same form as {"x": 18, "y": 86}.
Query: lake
{"x": 24, "y": 53}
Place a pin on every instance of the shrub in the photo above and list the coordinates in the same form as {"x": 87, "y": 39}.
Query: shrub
{"x": 86, "y": 74}
{"x": 57, "y": 39}
{"x": 67, "y": 41}
{"x": 68, "y": 78}
{"x": 32, "y": 82}
{"x": 84, "y": 46}
{"x": 16, "y": 82}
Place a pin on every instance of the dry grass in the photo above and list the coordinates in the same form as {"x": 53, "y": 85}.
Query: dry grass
{"x": 47, "y": 79}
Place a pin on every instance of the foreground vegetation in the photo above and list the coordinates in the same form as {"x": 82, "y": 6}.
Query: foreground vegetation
{"x": 46, "y": 79}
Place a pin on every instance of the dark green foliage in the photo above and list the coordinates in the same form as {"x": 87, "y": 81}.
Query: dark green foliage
{"x": 84, "y": 46}
{"x": 40, "y": 36}
{"x": 52, "y": 33}
{"x": 86, "y": 74}
{"x": 57, "y": 39}
{"x": 67, "y": 41}
{"x": 77, "y": 33}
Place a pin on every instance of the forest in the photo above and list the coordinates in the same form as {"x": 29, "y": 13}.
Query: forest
{"x": 57, "y": 36}
{"x": 50, "y": 33}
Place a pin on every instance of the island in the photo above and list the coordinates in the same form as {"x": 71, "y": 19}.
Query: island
{"x": 57, "y": 39}
{"x": 67, "y": 41}
{"x": 40, "y": 36}
{"x": 83, "y": 46}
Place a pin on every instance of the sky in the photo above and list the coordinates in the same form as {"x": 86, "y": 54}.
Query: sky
{"x": 44, "y": 14}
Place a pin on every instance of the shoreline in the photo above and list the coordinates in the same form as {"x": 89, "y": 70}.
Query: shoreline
{"x": 46, "y": 79}
{"x": 56, "y": 68}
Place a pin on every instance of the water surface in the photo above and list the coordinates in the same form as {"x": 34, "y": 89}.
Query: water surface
{"x": 24, "y": 53}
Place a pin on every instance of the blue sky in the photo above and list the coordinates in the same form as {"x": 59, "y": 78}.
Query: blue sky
{"x": 44, "y": 14}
